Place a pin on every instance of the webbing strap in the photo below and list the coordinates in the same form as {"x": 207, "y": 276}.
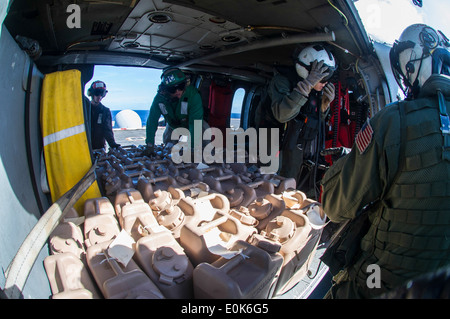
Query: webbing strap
{"x": 430, "y": 243}
{"x": 423, "y": 160}
{"x": 411, "y": 107}
{"x": 423, "y": 190}
{"x": 422, "y": 129}
{"x": 417, "y": 217}
{"x": 445, "y": 126}
{"x": 412, "y": 263}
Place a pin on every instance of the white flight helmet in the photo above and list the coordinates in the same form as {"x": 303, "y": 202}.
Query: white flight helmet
{"x": 314, "y": 52}
{"x": 411, "y": 57}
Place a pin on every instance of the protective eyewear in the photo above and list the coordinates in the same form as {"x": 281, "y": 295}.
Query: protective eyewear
{"x": 174, "y": 88}
{"x": 99, "y": 92}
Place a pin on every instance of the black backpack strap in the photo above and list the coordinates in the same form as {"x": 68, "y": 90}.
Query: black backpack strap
{"x": 445, "y": 125}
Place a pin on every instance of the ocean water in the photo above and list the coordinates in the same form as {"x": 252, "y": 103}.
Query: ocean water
{"x": 143, "y": 114}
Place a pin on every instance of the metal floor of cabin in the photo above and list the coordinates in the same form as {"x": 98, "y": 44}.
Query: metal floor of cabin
{"x": 315, "y": 287}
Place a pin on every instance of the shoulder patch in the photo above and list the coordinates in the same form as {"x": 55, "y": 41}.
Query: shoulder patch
{"x": 364, "y": 137}
{"x": 163, "y": 109}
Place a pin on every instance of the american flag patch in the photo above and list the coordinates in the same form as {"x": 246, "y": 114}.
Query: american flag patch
{"x": 364, "y": 137}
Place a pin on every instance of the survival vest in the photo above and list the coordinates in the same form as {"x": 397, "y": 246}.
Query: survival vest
{"x": 410, "y": 233}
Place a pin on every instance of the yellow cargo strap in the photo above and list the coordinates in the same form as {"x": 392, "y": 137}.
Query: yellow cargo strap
{"x": 66, "y": 148}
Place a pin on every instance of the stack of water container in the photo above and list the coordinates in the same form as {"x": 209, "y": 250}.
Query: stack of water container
{"x": 166, "y": 230}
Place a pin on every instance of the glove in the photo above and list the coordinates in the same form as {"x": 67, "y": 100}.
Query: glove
{"x": 336, "y": 152}
{"x": 149, "y": 150}
{"x": 327, "y": 97}
{"x": 317, "y": 73}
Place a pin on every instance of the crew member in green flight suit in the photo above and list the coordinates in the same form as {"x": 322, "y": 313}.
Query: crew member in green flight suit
{"x": 400, "y": 167}
{"x": 180, "y": 105}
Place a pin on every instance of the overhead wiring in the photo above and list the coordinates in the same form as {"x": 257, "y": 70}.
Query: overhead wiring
{"x": 347, "y": 27}
{"x": 340, "y": 12}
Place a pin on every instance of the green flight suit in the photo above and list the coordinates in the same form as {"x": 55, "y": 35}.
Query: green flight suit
{"x": 178, "y": 113}
{"x": 409, "y": 230}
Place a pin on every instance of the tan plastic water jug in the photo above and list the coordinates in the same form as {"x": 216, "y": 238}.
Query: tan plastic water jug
{"x": 161, "y": 200}
{"x": 265, "y": 209}
{"x": 67, "y": 237}
{"x": 281, "y": 183}
{"x": 227, "y": 185}
{"x": 188, "y": 208}
{"x": 243, "y": 215}
{"x": 262, "y": 187}
{"x": 117, "y": 281}
{"x": 145, "y": 188}
{"x": 164, "y": 261}
{"x": 123, "y": 198}
{"x": 205, "y": 240}
{"x": 136, "y": 218}
{"x": 146, "y": 185}
{"x": 98, "y": 206}
{"x": 173, "y": 219}
{"x": 294, "y": 199}
{"x": 298, "y": 240}
{"x": 164, "y": 199}
{"x": 251, "y": 274}
{"x": 100, "y": 222}
{"x": 204, "y": 207}
{"x": 69, "y": 278}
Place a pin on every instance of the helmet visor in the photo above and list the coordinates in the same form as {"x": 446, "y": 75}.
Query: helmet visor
{"x": 394, "y": 57}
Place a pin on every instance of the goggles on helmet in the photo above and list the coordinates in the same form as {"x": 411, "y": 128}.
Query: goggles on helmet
{"x": 173, "y": 88}
{"x": 99, "y": 92}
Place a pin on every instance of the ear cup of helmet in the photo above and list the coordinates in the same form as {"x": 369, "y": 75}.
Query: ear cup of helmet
{"x": 410, "y": 67}
{"x": 97, "y": 92}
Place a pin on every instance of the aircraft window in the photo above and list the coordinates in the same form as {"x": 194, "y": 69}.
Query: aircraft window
{"x": 236, "y": 108}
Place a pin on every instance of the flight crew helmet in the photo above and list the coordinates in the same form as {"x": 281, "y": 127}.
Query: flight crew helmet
{"x": 97, "y": 88}
{"x": 173, "y": 79}
{"x": 311, "y": 53}
{"x": 417, "y": 54}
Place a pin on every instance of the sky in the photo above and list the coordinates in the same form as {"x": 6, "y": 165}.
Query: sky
{"x": 384, "y": 21}
{"x": 128, "y": 87}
